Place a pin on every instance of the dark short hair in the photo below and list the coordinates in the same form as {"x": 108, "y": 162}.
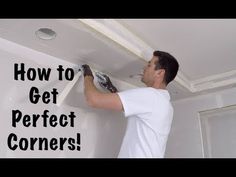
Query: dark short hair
{"x": 168, "y": 63}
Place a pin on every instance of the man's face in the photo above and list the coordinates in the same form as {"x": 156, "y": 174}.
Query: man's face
{"x": 149, "y": 71}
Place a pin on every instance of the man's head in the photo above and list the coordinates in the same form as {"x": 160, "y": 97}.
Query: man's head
{"x": 161, "y": 69}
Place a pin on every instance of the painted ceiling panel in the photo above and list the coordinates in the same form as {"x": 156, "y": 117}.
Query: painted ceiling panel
{"x": 203, "y": 47}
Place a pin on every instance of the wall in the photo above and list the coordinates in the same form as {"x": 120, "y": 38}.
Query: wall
{"x": 185, "y": 136}
{"x": 101, "y": 131}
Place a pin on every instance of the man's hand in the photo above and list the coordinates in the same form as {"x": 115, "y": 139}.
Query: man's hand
{"x": 87, "y": 71}
{"x": 105, "y": 82}
{"x": 97, "y": 99}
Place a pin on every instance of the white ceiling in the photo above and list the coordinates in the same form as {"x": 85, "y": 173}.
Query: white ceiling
{"x": 205, "y": 48}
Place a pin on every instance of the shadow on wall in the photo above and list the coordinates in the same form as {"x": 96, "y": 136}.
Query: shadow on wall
{"x": 111, "y": 129}
{"x": 75, "y": 97}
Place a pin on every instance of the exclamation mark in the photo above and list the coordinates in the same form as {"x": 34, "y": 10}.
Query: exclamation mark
{"x": 78, "y": 141}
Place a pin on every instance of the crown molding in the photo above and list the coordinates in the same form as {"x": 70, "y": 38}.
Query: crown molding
{"x": 121, "y": 35}
{"x": 215, "y": 81}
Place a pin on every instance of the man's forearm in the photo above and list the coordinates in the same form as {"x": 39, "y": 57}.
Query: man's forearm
{"x": 90, "y": 90}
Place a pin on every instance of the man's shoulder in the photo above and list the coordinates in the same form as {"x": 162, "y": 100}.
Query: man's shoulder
{"x": 139, "y": 93}
{"x": 151, "y": 90}
{"x": 140, "y": 90}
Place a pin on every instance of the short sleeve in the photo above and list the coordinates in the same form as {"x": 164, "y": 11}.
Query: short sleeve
{"x": 137, "y": 101}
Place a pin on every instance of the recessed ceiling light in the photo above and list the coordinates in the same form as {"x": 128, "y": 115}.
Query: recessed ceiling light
{"x": 45, "y": 33}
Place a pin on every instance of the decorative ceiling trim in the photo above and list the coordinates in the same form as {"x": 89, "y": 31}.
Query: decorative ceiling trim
{"x": 131, "y": 42}
{"x": 121, "y": 35}
{"x": 214, "y": 81}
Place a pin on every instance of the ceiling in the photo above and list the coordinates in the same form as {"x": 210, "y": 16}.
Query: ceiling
{"x": 205, "y": 48}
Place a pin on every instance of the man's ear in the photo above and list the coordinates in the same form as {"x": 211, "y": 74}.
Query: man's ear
{"x": 160, "y": 72}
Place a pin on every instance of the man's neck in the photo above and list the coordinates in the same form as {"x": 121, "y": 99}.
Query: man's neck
{"x": 159, "y": 86}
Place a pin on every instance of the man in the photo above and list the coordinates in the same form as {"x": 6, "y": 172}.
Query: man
{"x": 148, "y": 109}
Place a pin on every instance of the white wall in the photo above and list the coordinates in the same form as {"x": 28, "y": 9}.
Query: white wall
{"x": 185, "y": 136}
{"x": 101, "y": 131}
